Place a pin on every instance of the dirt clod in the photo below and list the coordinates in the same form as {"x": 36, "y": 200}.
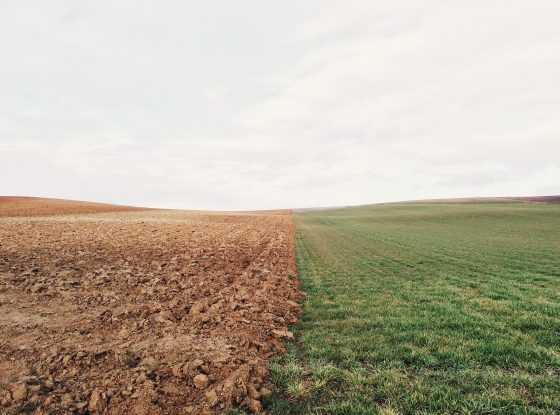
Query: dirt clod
{"x": 97, "y": 402}
{"x": 200, "y": 381}
{"x": 211, "y": 397}
{"x": 255, "y": 406}
{"x": 19, "y": 392}
{"x": 285, "y": 334}
{"x": 265, "y": 392}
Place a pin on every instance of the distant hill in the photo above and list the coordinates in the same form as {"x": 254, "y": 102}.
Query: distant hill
{"x": 459, "y": 200}
{"x": 526, "y": 199}
{"x": 11, "y": 206}
{"x": 37, "y": 206}
{"x": 539, "y": 199}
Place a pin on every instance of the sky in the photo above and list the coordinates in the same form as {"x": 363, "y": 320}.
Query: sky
{"x": 258, "y": 104}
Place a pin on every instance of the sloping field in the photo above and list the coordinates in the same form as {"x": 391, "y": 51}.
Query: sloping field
{"x": 481, "y": 200}
{"x": 540, "y": 199}
{"x": 142, "y": 312}
{"x": 426, "y": 309}
{"x": 36, "y": 206}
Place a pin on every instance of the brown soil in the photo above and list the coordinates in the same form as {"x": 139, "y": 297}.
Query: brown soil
{"x": 36, "y": 206}
{"x": 143, "y": 312}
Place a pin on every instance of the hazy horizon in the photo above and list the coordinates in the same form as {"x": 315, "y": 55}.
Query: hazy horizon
{"x": 268, "y": 106}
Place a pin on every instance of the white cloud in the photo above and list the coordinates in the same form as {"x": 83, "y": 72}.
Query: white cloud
{"x": 247, "y": 105}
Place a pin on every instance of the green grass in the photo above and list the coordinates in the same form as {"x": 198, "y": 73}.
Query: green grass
{"x": 426, "y": 309}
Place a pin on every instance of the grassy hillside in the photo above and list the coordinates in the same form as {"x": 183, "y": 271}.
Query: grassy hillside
{"x": 426, "y": 308}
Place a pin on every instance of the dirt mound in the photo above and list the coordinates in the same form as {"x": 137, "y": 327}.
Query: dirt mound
{"x": 12, "y": 206}
{"x": 152, "y": 312}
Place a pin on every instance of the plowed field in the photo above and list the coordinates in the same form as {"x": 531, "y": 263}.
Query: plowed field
{"x": 142, "y": 312}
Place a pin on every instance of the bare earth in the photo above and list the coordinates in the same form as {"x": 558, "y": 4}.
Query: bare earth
{"x": 141, "y": 311}
{"x": 37, "y": 206}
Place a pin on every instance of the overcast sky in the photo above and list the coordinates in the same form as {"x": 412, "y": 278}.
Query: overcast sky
{"x": 271, "y": 104}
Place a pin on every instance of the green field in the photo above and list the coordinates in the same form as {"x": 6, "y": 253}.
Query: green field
{"x": 426, "y": 309}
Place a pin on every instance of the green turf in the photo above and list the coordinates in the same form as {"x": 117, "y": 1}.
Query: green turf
{"x": 426, "y": 309}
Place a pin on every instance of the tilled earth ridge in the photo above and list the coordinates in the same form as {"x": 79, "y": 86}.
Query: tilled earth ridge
{"x": 151, "y": 312}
